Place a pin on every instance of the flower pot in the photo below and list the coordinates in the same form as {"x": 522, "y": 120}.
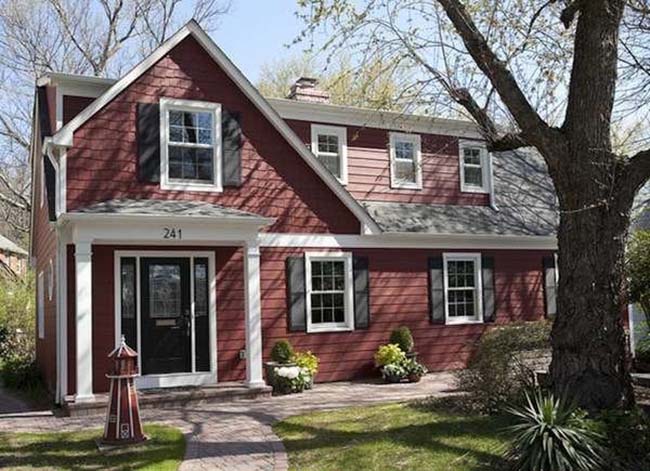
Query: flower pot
{"x": 393, "y": 378}
{"x": 270, "y": 367}
{"x": 309, "y": 384}
{"x": 415, "y": 378}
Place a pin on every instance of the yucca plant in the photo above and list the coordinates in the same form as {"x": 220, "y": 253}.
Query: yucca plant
{"x": 553, "y": 435}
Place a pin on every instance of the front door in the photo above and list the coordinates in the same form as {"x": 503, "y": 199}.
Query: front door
{"x": 166, "y": 321}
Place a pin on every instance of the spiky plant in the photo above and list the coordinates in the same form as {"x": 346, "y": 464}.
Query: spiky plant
{"x": 552, "y": 435}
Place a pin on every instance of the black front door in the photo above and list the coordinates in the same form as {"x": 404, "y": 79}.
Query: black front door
{"x": 165, "y": 331}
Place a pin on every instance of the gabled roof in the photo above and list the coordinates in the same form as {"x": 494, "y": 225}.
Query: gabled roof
{"x": 8, "y": 246}
{"x": 524, "y": 197}
{"x": 64, "y": 136}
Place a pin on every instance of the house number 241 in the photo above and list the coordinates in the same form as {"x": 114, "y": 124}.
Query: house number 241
{"x": 172, "y": 233}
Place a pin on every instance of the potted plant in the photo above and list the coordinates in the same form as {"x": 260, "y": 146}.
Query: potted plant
{"x": 393, "y": 373}
{"x": 289, "y": 379}
{"x": 281, "y": 355}
{"x": 308, "y": 362}
{"x": 403, "y": 338}
{"x": 414, "y": 370}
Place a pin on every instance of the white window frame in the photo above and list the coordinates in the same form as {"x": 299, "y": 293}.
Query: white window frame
{"x": 167, "y": 104}
{"x": 416, "y": 140}
{"x": 348, "y": 297}
{"x": 40, "y": 288}
{"x": 478, "y": 289}
{"x": 50, "y": 281}
{"x": 485, "y": 167}
{"x": 342, "y": 134}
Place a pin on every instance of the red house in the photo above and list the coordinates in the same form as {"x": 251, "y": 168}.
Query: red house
{"x": 204, "y": 222}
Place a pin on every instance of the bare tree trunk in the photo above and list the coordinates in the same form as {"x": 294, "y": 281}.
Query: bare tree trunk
{"x": 590, "y": 360}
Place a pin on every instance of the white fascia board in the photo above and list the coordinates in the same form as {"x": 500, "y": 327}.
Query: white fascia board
{"x": 243, "y": 221}
{"x": 64, "y": 137}
{"x": 406, "y": 240}
{"x": 367, "y": 117}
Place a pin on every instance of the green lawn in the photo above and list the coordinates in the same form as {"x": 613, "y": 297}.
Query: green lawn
{"x": 77, "y": 451}
{"x": 395, "y": 436}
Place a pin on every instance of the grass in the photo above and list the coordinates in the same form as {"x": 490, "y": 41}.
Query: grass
{"x": 393, "y": 437}
{"x": 77, "y": 451}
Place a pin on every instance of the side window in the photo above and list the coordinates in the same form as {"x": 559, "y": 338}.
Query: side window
{"x": 405, "y": 161}
{"x": 463, "y": 288}
{"x": 329, "y": 145}
{"x": 190, "y": 145}
{"x": 474, "y": 173}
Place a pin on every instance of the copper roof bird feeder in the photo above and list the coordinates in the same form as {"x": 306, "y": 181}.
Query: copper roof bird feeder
{"x": 123, "y": 426}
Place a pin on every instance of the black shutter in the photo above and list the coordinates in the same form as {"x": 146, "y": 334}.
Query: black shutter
{"x": 361, "y": 293}
{"x": 550, "y": 285}
{"x": 436, "y": 290}
{"x": 232, "y": 144}
{"x": 489, "y": 302}
{"x": 148, "y": 130}
{"x": 296, "y": 299}
{"x": 50, "y": 186}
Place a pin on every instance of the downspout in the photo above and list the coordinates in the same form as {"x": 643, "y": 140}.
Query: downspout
{"x": 492, "y": 195}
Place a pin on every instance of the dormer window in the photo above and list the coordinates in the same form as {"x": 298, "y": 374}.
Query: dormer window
{"x": 474, "y": 177}
{"x": 190, "y": 145}
{"x": 405, "y": 161}
{"x": 329, "y": 145}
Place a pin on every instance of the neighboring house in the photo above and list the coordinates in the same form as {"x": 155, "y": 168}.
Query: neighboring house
{"x": 13, "y": 259}
{"x": 203, "y": 222}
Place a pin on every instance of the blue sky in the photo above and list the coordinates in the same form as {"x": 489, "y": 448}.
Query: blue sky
{"x": 255, "y": 32}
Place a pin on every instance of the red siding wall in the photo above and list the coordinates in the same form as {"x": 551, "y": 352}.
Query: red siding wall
{"x": 399, "y": 296}
{"x": 276, "y": 181}
{"x": 369, "y": 168}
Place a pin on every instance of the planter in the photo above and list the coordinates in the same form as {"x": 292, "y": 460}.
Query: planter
{"x": 412, "y": 356}
{"x": 270, "y": 367}
{"x": 414, "y": 378}
{"x": 310, "y": 383}
{"x": 393, "y": 378}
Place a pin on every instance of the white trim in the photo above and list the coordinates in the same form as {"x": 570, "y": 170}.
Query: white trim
{"x": 168, "y": 104}
{"x": 40, "y": 289}
{"x": 630, "y": 320}
{"x": 372, "y": 118}
{"x": 83, "y": 321}
{"x": 42, "y": 181}
{"x": 485, "y": 167}
{"x": 64, "y": 137}
{"x": 341, "y": 134}
{"x": 192, "y": 378}
{"x": 253, "y": 307}
{"x": 348, "y": 297}
{"x": 413, "y": 241}
{"x": 50, "y": 281}
{"x": 416, "y": 140}
{"x": 62, "y": 177}
{"x": 478, "y": 288}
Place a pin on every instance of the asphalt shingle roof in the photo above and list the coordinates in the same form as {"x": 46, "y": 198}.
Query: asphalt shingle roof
{"x": 525, "y": 199}
{"x": 8, "y": 246}
{"x": 157, "y": 207}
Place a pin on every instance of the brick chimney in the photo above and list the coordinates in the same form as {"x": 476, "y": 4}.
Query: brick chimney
{"x": 305, "y": 89}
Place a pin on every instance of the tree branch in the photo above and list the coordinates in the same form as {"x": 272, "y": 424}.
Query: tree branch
{"x": 569, "y": 13}
{"x": 497, "y": 72}
{"x": 639, "y": 169}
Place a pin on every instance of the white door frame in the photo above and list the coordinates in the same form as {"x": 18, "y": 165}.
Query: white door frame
{"x": 171, "y": 379}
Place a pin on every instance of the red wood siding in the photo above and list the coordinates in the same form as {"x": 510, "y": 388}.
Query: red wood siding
{"x": 276, "y": 181}
{"x": 399, "y": 296}
{"x": 369, "y": 168}
{"x": 73, "y": 105}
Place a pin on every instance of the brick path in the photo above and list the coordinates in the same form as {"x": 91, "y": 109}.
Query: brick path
{"x": 237, "y": 436}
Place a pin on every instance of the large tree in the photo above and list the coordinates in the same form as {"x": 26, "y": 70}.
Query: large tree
{"x": 555, "y": 75}
{"x": 91, "y": 37}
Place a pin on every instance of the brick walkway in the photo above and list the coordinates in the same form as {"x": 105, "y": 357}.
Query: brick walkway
{"x": 238, "y": 436}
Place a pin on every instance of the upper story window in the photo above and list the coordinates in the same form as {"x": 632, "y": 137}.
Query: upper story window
{"x": 463, "y": 288}
{"x": 190, "y": 145}
{"x": 405, "y": 161}
{"x": 329, "y": 286}
{"x": 329, "y": 144}
{"x": 474, "y": 172}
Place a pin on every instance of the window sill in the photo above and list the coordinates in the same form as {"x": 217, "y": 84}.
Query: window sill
{"x": 474, "y": 189}
{"x": 320, "y": 330}
{"x": 463, "y": 321}
{"x": 405, "y": 186}
{"x": 179, "y": 186}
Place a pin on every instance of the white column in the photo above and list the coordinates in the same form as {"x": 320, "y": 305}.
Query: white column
{"x": 83, "y": 317}
{"x": 253, "y": 315}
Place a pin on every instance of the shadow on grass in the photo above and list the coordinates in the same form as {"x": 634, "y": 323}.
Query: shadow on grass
{"x": 78, "y": 451}
{"x": 467, "y": 441}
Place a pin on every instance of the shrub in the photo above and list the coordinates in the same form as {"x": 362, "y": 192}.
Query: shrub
{"x": 17, "y": 318}
{"x": 642, "y": 353}
{"x": 389, "y": 354}
{"x": 308, "y": 361}
{"x": 22, "y": 373}
{"x": 628, "y": 438}
{"x": 393, "y": 372}
{"x": 553, "y": 435}
{"x": 497, "y": 373}
{"x": 638, "y": 269}
{"x": 402, "y": 338}
{"x": 282, "y": 352}
{"x": 413, "y": 368}
{"x": 289, "y": 379}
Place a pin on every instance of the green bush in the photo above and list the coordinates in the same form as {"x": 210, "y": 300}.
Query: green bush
{"x": 282, "y": 352}
{"x": 553, "y": 435}
{"x": 402, "y": 337}
{"x": 389, "y": 354}
{"x": 308, "y": 361}
{"x": 22, "y": 373}
{"x": 17, "y": 318}
{"x": 628, "y": 439}
{"x": 638, "y": 269}
{"x": 643, "y": 350}
{"x": 496, "y": 374}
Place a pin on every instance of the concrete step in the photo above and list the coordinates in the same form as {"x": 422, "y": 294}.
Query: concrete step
{"x": 641, "y": 379}
{"x": 172, "y": 397}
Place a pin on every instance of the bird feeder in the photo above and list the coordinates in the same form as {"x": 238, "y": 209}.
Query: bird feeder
{"x": 123, "y": 426}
